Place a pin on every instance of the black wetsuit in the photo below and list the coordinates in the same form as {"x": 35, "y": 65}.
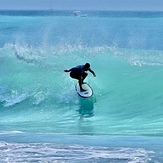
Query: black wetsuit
{"x": 78, "y": 72}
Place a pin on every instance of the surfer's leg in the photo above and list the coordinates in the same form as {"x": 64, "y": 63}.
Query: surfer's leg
{"x": 79, "y": 78}
{"x": 72, "y": 75}
{"x": 80, "y": 84}
{"x": 84, "y": 75}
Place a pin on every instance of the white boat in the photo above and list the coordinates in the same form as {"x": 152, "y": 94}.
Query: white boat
{"x": 78, "y": 13}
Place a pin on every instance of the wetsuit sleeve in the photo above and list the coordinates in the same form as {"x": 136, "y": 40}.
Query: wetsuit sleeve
{"x": 72, "y": 69}
{"x": 76, "y": 70}
{"x": 69, "y": 70}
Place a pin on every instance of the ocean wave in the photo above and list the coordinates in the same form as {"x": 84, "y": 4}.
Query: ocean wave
{"x": 32, "y": 78}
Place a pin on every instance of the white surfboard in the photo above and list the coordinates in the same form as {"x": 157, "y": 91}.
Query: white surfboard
{"x": 85, "y": 94}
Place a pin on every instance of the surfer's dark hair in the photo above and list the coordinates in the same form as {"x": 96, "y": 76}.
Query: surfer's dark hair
{"x": 87, "y": 65}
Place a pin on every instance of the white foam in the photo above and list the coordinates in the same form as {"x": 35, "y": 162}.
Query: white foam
{"x": 15, "y": 98}
{"x": 32, "y": 152}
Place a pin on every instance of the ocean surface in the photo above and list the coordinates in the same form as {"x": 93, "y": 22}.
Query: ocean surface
{"x": 42, "y": 119}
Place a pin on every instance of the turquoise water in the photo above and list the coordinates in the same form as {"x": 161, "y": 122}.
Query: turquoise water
{"x": 43, "y": 118}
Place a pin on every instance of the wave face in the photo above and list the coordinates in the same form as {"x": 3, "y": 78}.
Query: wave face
{"x": 126, "y": 54}
{"x": 36, "y": 96}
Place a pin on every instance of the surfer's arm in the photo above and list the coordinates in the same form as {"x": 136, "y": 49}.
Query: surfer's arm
{"x": 72, "y": 69}
{"x": 66, "y": 70}
{"x": 92, "y": 72}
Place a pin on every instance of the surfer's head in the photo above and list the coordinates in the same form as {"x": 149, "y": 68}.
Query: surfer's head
{"x": 86, "y": 66}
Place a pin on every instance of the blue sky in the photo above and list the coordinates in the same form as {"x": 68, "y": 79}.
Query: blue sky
{"x": 141, "y": 5}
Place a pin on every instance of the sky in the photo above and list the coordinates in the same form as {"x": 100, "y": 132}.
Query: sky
{"x": 124, "y": 5}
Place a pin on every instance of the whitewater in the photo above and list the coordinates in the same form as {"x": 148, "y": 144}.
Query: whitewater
{"x": 42, "y": 119}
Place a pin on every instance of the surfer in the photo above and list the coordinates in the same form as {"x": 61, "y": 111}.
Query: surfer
{"x": 79, "y": 73}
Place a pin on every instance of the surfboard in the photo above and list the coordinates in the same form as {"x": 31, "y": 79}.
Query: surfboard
{"x": 85, "y": 94}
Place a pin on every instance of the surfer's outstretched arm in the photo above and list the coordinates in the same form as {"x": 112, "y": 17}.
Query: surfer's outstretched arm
{"x": 92, "y": 72}
{"x": 72, "y": 69}
{"x": 66, "y": 70}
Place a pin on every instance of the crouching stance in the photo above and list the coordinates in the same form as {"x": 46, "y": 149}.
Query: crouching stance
{"x": 79, "y": 73}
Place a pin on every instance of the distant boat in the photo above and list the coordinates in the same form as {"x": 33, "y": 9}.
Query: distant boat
{"x": 78, "y": 13}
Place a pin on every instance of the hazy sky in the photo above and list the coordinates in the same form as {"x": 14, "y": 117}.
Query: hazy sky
{"x": 150, "y": 5}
